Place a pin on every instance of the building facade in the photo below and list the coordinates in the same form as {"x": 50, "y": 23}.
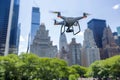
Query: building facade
{"x": 63, "y": 42}
{"x": 42, "y": 46}
{"x": 118, "y": 30}
{"x": 90, "y": 52}
{"x": 71, "y": 52}
{"x": 115, "y": 35}
{"x": 97, "y": 26}
{"x": 63, "y": 48}
{"x": 9, "y": 29}
{"x": 74, "y": 52}
{"x": 110, "y": 48}
{"x": 35, "y": 22}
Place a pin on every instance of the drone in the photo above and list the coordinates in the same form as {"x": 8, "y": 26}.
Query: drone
{"x": 69, "y": 22}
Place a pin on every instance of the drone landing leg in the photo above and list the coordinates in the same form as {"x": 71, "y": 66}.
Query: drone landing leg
{"x": 78, "y": 27}
{"x": 73, "y": 30}
{"x": 62, "y": 28}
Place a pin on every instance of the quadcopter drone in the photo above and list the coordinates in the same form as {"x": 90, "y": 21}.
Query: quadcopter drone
{"x": 69, "y": 22}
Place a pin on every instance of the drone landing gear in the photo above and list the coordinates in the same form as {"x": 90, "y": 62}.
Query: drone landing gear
{"x": 70, "y": 30}
{"x": 78, "y": 28}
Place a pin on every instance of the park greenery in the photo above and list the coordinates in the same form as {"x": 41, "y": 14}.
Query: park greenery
{"x": 31, "y": 67}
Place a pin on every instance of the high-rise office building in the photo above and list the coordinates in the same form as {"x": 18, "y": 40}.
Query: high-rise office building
{"x": 90, "y": 52}
{"x": 110, "y": 48}
{"x": 116, "y": 38}
{"x": 35, "y": 22}
{"x": 118, "y": 30}
{"x": 63, "y": 42}
{"x": 97, "y": 26}
{"x": 63, "y": 48}
{"x": 9, "y": 29}
{"x": 74, "y": 52}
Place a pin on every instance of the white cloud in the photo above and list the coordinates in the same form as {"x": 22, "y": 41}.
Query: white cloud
{"x": 115, "y": 7}
{"x": 22, "y": 39}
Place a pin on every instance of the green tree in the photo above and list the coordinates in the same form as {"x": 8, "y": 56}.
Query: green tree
{"x": 52, "y": 68}
{"x": 72, "y": 77}
{"x": 30, "y": 67}
{"x": 10, "y": 65}
{"x": 108, "y": 68}
{"x": 98, "y": 69}
{"x": 80, "y": 70}
{"x": 115, "y": 67}
{"x": 2, "y": 69}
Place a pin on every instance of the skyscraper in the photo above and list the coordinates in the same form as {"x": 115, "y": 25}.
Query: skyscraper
{"x": 110, "y": 48}
{"x": 90, "y": 52}
{"x": 63, "y": 48}
{"x": 116, "y": 38}
{"x": 74, "y": 52}
{"x": 9, "y": 29}
{"x": 42, "y": 46}
{"x": 118, "y": 30}
{"x": 63, "y": 42}
{"x": 35, "y": 23}
{"x": 97, "y": 26}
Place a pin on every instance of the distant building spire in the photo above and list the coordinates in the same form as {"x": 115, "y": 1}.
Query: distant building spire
{"x": 63, "y": 42}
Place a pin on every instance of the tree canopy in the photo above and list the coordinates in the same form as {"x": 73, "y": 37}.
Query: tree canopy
{"x": 109, "y": 68}
{"x": 31, "y": 67}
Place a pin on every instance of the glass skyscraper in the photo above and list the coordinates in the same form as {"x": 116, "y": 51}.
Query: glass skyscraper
{"x": 97, "y": 26}
{"x": 7, "y": 22}
{"x": 118, "y": 30}
{"x": 35, "y": 23}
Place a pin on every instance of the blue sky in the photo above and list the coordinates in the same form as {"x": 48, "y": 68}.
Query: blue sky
{"x": 108, "y": 10}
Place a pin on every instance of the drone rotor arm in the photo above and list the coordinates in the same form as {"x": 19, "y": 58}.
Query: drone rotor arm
{"x": 58, "y": 23}
{"x": 84, "y": 16}
{"x": 78, "y": 18}
{"x": 62, "y": 17}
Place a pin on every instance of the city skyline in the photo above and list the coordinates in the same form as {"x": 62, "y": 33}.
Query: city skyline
{"x": 107, "y": 10}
